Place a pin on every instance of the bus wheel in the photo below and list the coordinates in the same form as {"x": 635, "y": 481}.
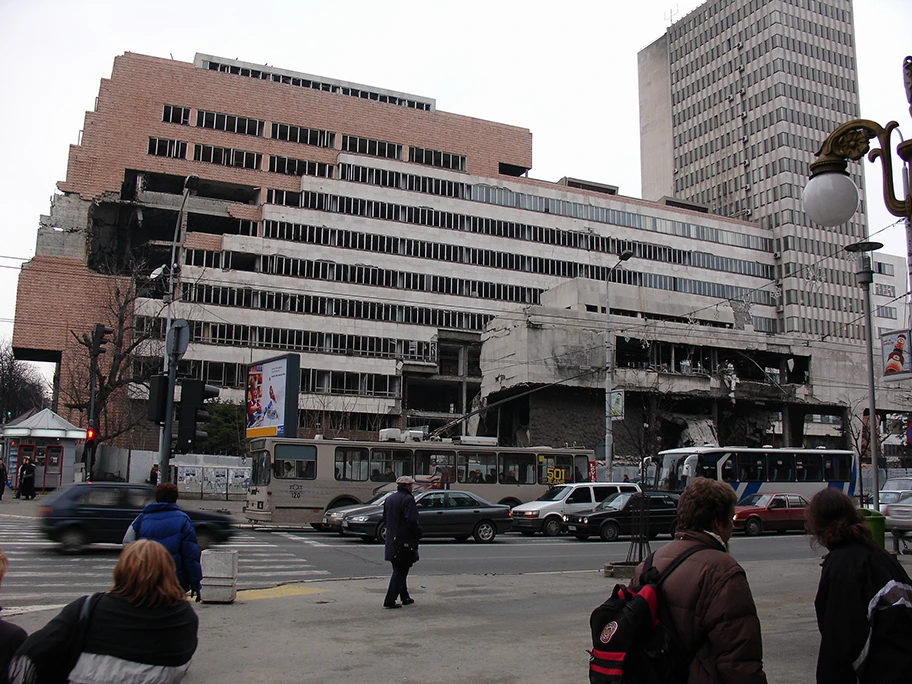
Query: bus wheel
{"x": 485, "y": 531}
{"x": 381, "y": 533}
{"x": 753, "y": 527}
{"x": 609, "y": 532}
{"x": 551, "y": 527}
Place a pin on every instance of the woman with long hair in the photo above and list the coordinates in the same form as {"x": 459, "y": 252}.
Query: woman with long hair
{"x": 142, "y": 630}
{"x": 864, "y": 599}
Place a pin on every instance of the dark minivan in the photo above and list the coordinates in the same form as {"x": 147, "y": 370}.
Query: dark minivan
{"x": 100, "y": 512}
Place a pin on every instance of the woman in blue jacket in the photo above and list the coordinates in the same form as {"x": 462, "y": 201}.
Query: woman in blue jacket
{"x": 167, "y": 524}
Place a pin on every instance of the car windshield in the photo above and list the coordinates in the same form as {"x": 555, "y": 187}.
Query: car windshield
{"x": 555, "y": 493}
{"x": 755, "y": 500}
{"x": 615, "y": 501}
{"x": 376, "y": 499}
{"x": 890, "y": 497}
{"x": 896, "y": 484}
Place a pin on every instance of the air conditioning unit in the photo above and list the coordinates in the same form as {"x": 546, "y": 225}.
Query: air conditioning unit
{"x": 731, "y": 98}
{"x": 777, "y": 255}
{"x": 740, "y": 67}
{"x": 779, "y": 308}
{"x": 740, "y": 46}
{"x": 744, "y": 139}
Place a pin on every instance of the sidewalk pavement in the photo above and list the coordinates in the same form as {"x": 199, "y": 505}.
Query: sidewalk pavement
{"x": 494, "y": 629}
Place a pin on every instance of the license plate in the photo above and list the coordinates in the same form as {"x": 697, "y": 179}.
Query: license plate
{"x": 571, "y": 527}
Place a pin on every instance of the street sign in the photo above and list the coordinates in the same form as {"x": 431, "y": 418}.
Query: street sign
{"x": 178, "y": 338}
{"x": 617, "y": 405}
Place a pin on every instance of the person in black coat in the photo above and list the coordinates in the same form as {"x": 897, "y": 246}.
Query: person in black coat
{"x": 27, "y": 479}
{"x": 864, "y": 599}
{"x": 400, "y": 514}
{"x": 11, "y": 636}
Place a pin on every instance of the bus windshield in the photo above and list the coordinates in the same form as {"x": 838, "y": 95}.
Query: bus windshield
{"x": 670, "y": 475}
{"x": 555, "y": 493}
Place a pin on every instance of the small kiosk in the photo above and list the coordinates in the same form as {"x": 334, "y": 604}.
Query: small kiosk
{"x": 49, "y": 441}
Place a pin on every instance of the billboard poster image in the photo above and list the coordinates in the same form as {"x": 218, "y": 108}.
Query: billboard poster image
{"x": 897, "y": 361}
{"x": 266, "y": 396}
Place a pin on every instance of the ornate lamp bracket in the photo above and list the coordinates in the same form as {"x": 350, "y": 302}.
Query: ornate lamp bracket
{"x": 851, "y": 141}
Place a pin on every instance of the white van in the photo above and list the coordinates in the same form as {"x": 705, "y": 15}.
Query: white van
{"x": 546, "y": 512}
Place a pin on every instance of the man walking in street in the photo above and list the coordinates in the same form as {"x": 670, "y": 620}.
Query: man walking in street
{"x": 400, "y": 514}
{"x": 167, "y": 524}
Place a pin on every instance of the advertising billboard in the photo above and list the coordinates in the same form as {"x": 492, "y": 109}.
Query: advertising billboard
{"x": 272, "y": 397}
{"x": 897, "y": 362}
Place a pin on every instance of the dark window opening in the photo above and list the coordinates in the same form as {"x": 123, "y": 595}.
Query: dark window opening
{"x": 505, "y": 169}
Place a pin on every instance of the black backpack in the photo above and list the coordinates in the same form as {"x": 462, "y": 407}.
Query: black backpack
{"x": 630, "y": 644}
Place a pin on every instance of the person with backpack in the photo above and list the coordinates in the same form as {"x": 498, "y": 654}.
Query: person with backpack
{"x": 864, "y": 599}
{"x": 164, "y": 522}
{"x": 400, "y": 514}
{"x": 707, "y": 602}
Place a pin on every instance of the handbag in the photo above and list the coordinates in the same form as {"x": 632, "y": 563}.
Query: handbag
{"x": 49, "y": 655}
{"x": 405, "y": 552}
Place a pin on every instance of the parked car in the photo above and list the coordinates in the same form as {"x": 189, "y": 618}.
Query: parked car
{"x": 757, "y": 513}
{"x": 893, "y": 496}
{"x": 441, "y": 513}
{"x": 899, "y": 517}
{"x": 616, "y": 516}
{"x": 332, "y": 519}
{"x": 546, "y": 513}
{"x": 100, "y": 512}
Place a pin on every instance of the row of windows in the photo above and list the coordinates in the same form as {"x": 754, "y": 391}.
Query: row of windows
{"x": 885, "y": 312}
{"x": 337, "y": 307}
{"x": 175, "y": 114}
{"x": 303, "y": 136}
{"x": 360, "y": 274}
{"x": 811, "y": 297}
{"x": 814, "y": 326}
{"x": 425, "y": 249}
{"x": 443, "y": 160}
{"x": 374, "y": 148}
{"x": 385, "y": 464}
{"x": 175, "y": 149}
{"x": 313, "y": 84}
{"x": 227, "y": 156}
{"x": 385, "y": 178}
{"x": 230, "y": 123}
{"x": 299, "y": 167}
{"x": 884, "y": 290}
{"x": 312, "y": 380}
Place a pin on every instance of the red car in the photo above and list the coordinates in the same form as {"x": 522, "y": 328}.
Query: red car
{"x": 774, "y": 511}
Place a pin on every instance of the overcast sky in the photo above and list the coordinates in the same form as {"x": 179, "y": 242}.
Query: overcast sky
{"x": 567, "y": 71}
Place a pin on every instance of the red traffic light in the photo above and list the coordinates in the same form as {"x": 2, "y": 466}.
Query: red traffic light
{"x": 90, "y": 434}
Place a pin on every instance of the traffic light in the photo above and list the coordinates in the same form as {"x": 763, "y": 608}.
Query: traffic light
{"x": 158, "y": 398}
{"x": 99, "y": 338}
{"x": 192, "y": 412}
{"x": 91, "y": 439}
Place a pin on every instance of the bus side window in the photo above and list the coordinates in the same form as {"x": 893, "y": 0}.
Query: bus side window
{"x": 782, "y": 466}
{"x": 752, "y": 467}
{"x": 835, "y": 469}
{"x": 808, "y": 468}
{"x": 728, "y": 470}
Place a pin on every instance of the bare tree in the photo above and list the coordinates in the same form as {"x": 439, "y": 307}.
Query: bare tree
{"x": 22, "y": 388}
{"x": 124, "y": 365}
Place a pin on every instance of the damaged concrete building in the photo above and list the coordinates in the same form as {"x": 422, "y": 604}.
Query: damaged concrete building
{"x": 404, "y": 253}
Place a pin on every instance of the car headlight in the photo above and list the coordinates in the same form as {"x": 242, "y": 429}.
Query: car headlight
{"x": 358, "y": 518}
{"x": 585, "y": 521}
{"x": 565, "y": 517}
{"x": 530, "y": 514}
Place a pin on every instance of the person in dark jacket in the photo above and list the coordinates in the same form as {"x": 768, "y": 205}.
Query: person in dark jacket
{"x": 153, "y": 475}
{"x": 11, "y": 636}
{"x": 4, "y": 475}
{"x": 167, "y": 524}
{"x": 27, "y": 479}
{"x": 143, "y": 630}
{"x": 864, "y": 599}
{"x": 400, "y": 514}
{"x": 708, "y": 598}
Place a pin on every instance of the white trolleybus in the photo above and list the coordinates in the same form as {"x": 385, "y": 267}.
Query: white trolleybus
{"x": 749, "y": 471}
{"x": 293, "y": 481}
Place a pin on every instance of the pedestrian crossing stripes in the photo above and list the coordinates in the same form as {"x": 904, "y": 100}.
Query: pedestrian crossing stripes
{"x": 41, "y": 577}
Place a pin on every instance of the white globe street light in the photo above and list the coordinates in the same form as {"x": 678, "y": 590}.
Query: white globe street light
{"x": 830, "y": 199}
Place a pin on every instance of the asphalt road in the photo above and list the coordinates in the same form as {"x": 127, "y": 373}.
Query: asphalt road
{"x": 40, "y": 576}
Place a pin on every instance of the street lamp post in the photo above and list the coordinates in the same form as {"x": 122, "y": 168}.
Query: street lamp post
{"x": 830, "y": 199}
{"x": 865, "y": 276}
{"x": 609, "y": 366}
{"x": 169, "y": 366}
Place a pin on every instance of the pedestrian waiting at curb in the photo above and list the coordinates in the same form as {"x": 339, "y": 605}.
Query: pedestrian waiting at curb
{"x": 26, "y": 480}
{"x": 709, "y": 601}
{"x": 11, "y": 636}
{"x": 153, "y": 475}
{"x": 141, "y": 631}
{"x": 400, "y": 515}
{"x": 163, "y": 521}
{"x": 864, "y": 599}
{"x": 4, "y": 475}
